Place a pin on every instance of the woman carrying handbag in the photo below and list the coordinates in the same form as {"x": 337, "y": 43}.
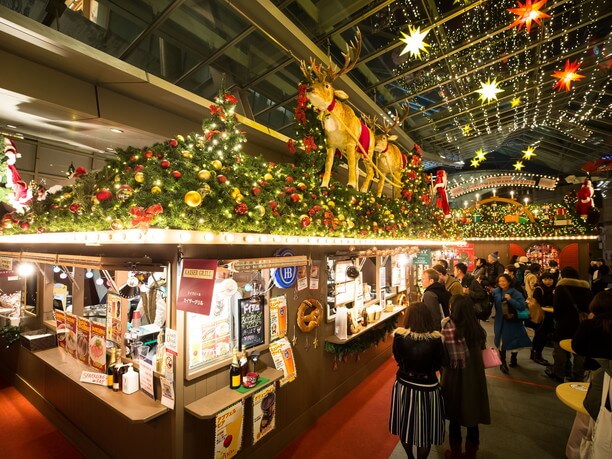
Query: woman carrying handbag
{"x": 464, "y": 387}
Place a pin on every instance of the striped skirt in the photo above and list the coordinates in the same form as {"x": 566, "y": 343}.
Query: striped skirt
{"x": 417, "y": 415}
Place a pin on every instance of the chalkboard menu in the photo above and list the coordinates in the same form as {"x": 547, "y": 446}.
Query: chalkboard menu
{"x": 251, "y": 321}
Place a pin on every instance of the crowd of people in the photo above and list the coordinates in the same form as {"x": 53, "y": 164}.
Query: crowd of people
{"x": 441, "y": 374}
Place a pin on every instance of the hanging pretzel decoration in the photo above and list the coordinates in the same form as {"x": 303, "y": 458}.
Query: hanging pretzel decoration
{"x": 309, "y": 315}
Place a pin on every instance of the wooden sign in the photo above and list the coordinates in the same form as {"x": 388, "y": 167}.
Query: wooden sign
{"x": 251, "y": 323}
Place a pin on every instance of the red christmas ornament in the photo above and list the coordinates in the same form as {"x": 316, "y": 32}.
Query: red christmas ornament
{"x": 24, "y": 225}
{"x": 289, "y": 179}
{"x": 177, "y": 174}
{"x": 148, "y": 154}
{"x": 139, "y": 168}
{"x": 255, "y": 191}
{"x": 104, "y": 195}
{"x": 295, "y": 197}
{"x": 241, "y": 208}
{"x": 273, "y": 205}
{"x": 165, "y": 164}
{"x": 305, "y": 221}
{"x": 74, "y": 208}
{"x": 221, "y": 178}
{"x": 173, "y": 143}
{"x": 133, "y": 158}
{"x": 40, "y": 230}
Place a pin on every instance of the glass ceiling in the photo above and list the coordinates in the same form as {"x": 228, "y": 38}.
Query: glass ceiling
{"x": 205, "y": 45}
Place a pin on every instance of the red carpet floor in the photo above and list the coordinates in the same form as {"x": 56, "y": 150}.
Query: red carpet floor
{"x": 25, "y": 433}
{"x": 347, "y": 429}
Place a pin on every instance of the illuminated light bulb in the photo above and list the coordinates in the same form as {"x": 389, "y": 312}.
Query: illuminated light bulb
{"x": 63, "y": 276}
{"x": 25, "y": 269}
{"x": 89, "y": 274}
{"x": 56, "y": 269}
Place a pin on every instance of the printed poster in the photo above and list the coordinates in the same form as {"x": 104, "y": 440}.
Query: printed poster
{"x": 97, "y": 347}
{"x": 302, "y": 278}
{"x": 71, "y": 334}
{"x": 113, "y": 318}
{"x": 282, "y": 355}
{"x": 145, "y": 373}
{"x": 83, "y": 331}
{"x": 278, "y": 317}
{"x": 60, "y": 325}
{"x": 264, "y": 408}
{"x": 228, "y": 431}
{"x": 315, "y": 269}
{"x": 196, "y": 285}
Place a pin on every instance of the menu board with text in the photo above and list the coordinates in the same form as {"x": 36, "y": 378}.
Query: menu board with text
{"x": 251, "y": 325}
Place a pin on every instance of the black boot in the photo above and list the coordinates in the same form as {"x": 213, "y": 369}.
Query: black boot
{"x": 539, "y": 359}
{"x": 504, "y": 367}
{"x": 533, "y": 354}
{"x": 513, "y": 362}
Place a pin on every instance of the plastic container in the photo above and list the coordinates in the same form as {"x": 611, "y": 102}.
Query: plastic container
{"x": 130, "y": 380}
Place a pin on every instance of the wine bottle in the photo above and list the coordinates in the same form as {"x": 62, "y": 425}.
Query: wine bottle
{"x": 244, "y": 363}
{"x": 117, "y": 373}
{"x": 235, "y": 372}
{"x": 109, "y": 369}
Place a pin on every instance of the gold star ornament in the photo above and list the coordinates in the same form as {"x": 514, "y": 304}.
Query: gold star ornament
{"x": 466, "y": 129}
{"x": 481, "y": 155}
{"x": 518, "y": 166}
{"x": 529, "y": 153}
{"x": 414, "y": 42}
{"x": 515, "y": 102}
{"x": 474, "y": 162}
{"x": 488, "y": 91}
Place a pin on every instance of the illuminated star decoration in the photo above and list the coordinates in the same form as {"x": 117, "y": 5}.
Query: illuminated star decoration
{"x": 481, "y": 155}
{"x": 567, "y": 75}
{"x": 489, "y": 90}
{"x": 466, "y": 129}
{"x": 515, "y": 102}
{"x": 529, "y": 153}
{"x": 518, "y": 165}
{"x": 475, "y": 162}
{"x": 527, "y": 13}
{"x": 414, "y": 42}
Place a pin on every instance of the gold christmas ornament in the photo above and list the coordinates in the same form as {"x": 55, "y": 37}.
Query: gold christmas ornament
{"x": 117, "y": 224}
{"x": 204, "y": 175}
{"x": 187, "y": 154}
{"x": 139, "y": 177}
{"x": 268, "y": 177}
{"x": 155, "y": 190}
{"x": 124, "y": 192}
{"x": 193, "y": 198}
{"x": 261, "y": 210}
{"x": 204, "y": 190}
{"x": 235, "y": 193}
{"x": 216, "y": 164}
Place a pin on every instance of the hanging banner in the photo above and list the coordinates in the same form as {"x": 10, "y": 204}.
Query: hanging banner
{"x": 264, "y": 408}
{"x": 278, "y": 317}
{"x": 228, "y": 431}
{"x": 423, "y": 257}
{"x": 196, "y": 285}
{"x": 282, "y": 355}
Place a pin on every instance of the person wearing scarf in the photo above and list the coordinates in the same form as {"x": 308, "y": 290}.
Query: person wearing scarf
{"x": 464, "y": 387}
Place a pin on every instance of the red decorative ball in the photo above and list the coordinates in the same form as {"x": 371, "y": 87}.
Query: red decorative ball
{"x": 148, "y": 154}
{"x": 273, "y": 204}
{"x": 295, "y": 197}
{"x": 104, "y": 195}
{"x": 255, "y": 191}
{"x": 289, "y": 179}
{"x": 160, "y": 155}
{"x": 221, "y": 178}
{"x": 176, "y": 174}
{"x": 74, "y": 208}
{"x": 139, "y": 168}
{"x": 241, "y": 208}
{"x": 305, "y": 221}
{"x": 24, "y": 225}
{"x": 165, "y": 164}
{"x": 133, "y": 158}
{"x": 173, "y": 143}
{"x": 40, "y": 230}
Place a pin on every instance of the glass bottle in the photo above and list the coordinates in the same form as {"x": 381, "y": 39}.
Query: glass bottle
{"x": 109, "y": 369}
{"x": 235, "y": 372}
{"x": 244, "y": 363}
{"x": 117, "y": 373}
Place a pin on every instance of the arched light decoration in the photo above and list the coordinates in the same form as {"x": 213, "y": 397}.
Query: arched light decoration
{"x": 567, "y": 75}
{"x": 414, "y": 42}
{"x": 528, "y": 13}
{"x": 488, "y": 91}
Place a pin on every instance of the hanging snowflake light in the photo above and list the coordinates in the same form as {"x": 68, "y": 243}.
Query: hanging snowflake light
{"x": 527, "y": 13}
{"x": 488, "y": 91}
{"x": 414, "y": 42}
{"x": 567, "y": 75}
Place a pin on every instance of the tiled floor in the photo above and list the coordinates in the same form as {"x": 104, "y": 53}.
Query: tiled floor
{"x": 527, "y": 419}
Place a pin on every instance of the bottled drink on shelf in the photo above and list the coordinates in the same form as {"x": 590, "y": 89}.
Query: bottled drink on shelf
{"x": 117, "y": 373}
{"x": 109, "y": 369}
{"x": 235, "y": 375}
{"x": 244, "y": 363}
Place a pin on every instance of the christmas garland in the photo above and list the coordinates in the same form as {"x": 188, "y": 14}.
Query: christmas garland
{"x": 10, "y": 334}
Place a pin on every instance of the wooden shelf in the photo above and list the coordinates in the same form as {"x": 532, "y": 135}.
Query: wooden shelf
{"x": 385, "y": 315}
{"x": 207, "y": 407}
{"x": 137, "y": 407}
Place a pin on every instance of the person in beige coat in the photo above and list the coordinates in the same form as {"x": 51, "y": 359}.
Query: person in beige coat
{"x": 452, "y": 285}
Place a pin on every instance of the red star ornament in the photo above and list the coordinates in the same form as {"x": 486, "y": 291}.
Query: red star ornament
{"x": 528, "y": 12}
{"x": 567, "y": 75}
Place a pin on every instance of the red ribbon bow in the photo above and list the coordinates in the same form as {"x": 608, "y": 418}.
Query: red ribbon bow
{"x": 144, "y": 216}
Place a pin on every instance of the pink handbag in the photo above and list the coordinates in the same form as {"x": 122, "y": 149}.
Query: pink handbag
{"x": 490, "y": 357}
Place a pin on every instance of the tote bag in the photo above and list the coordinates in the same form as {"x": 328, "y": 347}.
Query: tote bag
{"x": 490, "y": 357}
{"x": 598, "y": 441}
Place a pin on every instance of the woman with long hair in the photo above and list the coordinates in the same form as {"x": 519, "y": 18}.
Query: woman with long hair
{"x": 509, "y": 334}
{"x": 464, "y": 387}
{"x": 417, "y": 411}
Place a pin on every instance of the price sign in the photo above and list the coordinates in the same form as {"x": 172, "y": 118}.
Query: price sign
{"x": 93, "y": 378}
{"x": 251, "y": 321}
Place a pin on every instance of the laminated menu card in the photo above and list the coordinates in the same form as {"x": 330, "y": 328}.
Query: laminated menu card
{"x": 228, "y": 431}
{"x": 264, "y": 408}
{"x": 71, "y": 334}
{"x": 97, "y": 347}
{"x": 60, "y": 327}
{"x": 278, "y": 317}
{"x": 282, "y": 355}
{"x": 82, "y": 342}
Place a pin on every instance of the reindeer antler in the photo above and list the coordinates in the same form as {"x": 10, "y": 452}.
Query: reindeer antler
{"x": 398, "y": 119}
{"x": 351, "y": 56}
{"x": 370, "y": 121}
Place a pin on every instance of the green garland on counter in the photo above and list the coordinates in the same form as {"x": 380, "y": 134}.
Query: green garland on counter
{"x": 10, "y": 334}
{"x": 363, "y": 342}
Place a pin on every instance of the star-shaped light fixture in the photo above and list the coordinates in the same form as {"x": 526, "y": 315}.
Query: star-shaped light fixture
{"x": 474, "y": 162}
{"x": 518, "y": 166}
{"x": 481, "y": 155}
{"x": 414, "y": 42}
{"x": 529, "y": 153}
{"x": 466, "y": 129}
{"x": 515, "y": 102}
{"x": 567, "y": 75}
{"x": 488, "y": 91}
{"x": 527, "y": 13}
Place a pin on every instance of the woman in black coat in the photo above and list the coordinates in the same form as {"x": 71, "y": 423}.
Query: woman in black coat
{"x": 464, "y": 387}
{"x": 417, "y": 411}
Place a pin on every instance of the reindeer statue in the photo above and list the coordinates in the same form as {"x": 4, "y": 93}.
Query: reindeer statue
{"x": 389, "y": 159}
{"x": 344, "y": 131}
